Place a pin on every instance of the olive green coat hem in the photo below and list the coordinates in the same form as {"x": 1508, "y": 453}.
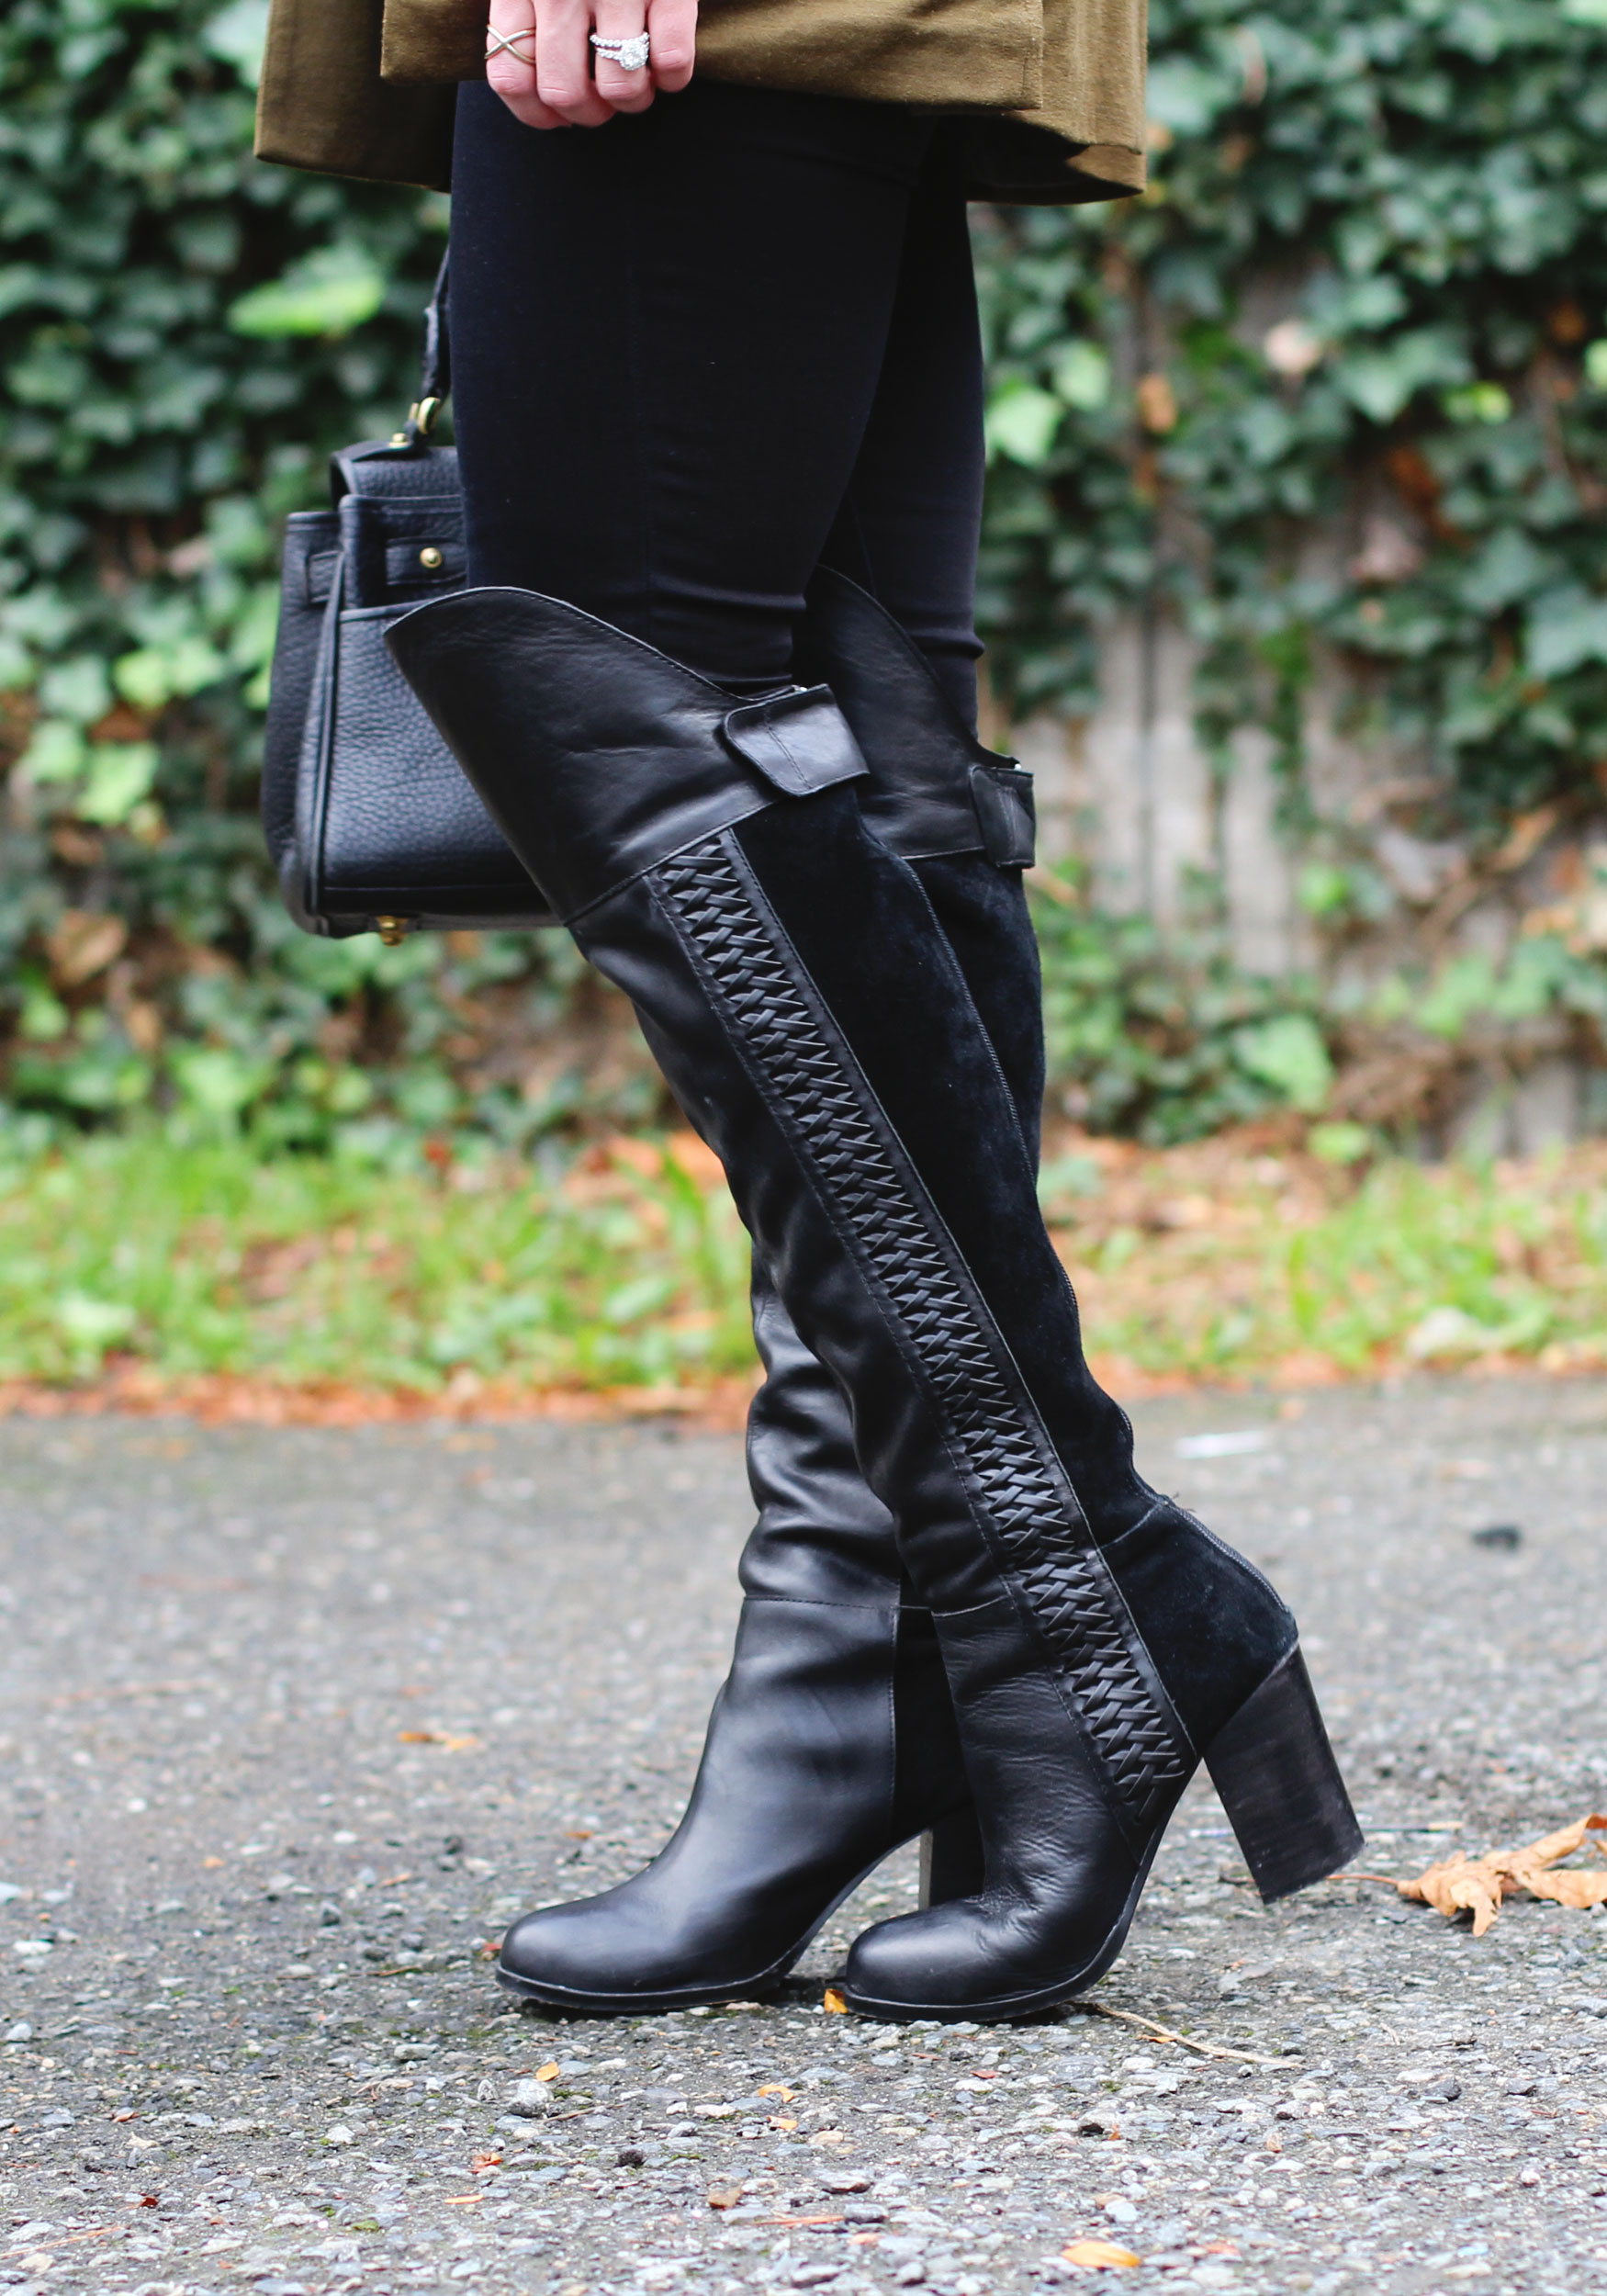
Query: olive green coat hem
{"x": 1053, "y": 87}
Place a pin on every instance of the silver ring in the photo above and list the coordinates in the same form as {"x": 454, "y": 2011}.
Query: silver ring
{"x": 497, "y": 44}
{"x": 631, "y": 55}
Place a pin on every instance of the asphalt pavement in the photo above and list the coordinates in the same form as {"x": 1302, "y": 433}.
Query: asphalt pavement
{"x": 291, "y": 1723}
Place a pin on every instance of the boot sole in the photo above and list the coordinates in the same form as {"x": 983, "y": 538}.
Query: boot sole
{"x": 1277, "y": 1780}
{"x": 557, "y": 1997}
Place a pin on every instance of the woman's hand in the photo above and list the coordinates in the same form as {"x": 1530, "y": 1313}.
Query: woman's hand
{"x": 540, "y": 58}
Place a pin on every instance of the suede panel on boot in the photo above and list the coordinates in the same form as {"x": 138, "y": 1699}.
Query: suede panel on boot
{"x": 1214, "y": 1627}
{"x": 928, "y": 1059}
{"x": 982, "y": 911}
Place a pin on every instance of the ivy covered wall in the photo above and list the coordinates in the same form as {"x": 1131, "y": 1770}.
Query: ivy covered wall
{"x": 1332, "y": 397}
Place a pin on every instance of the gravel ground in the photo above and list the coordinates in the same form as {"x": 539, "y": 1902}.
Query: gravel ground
{"x": 293, "y": 1722}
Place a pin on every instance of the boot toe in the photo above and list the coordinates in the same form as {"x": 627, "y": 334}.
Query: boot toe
{"x": 985, "y": 1957}
{"x": 921, "y": 1964}
{"x": 627, "y": 1951}
{"x": 583, "y": 1951}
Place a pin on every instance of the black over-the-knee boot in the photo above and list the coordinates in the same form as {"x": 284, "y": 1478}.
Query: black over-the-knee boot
{"x": 817, "y": 1028}
{"x": 833, "y": 1738}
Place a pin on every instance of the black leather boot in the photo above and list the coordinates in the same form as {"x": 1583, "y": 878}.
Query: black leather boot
{"x": 817, "y": 1030}
{"x": 832, "y": 1739}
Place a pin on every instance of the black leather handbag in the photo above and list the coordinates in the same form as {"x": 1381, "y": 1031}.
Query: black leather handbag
{"x": 370, "y": 821}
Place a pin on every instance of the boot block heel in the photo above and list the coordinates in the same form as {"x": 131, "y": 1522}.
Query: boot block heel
{"x": 953, "y": 1864}
{"x": 1274, "y": 1772}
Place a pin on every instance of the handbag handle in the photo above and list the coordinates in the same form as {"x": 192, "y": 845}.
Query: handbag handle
{"x": 436, "y": 366}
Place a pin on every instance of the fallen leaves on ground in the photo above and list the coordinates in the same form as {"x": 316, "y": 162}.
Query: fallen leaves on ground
{"x": 1477, "y": 1886}
{"x": 833, "y": 2003}
{"x": 217, "y": 1399}
{"x": 1099, "y": 2255}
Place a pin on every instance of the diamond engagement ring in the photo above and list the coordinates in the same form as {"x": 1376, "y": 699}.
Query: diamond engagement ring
{"x": 631, "y": 55}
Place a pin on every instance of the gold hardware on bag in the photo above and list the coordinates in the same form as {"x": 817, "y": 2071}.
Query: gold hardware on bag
{"x": 431, "y": 558}
{"x": 422, "y": 417}
{"x": 392, "y": 930}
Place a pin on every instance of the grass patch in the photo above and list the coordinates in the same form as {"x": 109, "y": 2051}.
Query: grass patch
{"x": 1229, "y": 1259}
{"x": 626, "y": 1268}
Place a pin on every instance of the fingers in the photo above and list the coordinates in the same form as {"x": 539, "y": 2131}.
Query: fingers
{"x": 563, "y": 63}
{"x": 510, "y": 62}
{"x": 627, "y": 91}
{"x": 672, "y": 25}
{"x": 539, "y": 61}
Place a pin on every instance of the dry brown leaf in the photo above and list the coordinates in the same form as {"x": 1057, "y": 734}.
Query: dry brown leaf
{"x": 696, "y": 1159}
{"x": 1157, "y": 403}
{"x": 1477, "y": 1886}
{"x": 724, "y": 2196}
{"x": 547, "y": 2072}
{"x": 1563, "y": 1844}
{"x": 1577, "y": 1891}
{"x": 835, "y": 2004}
{"x": 82, "y": 943}
{"x": 1460, "y": 1885}
{"x": 1099, "y": 2255}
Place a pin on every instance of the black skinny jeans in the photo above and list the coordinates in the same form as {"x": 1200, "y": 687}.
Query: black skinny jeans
{"x": 704, "y": 349}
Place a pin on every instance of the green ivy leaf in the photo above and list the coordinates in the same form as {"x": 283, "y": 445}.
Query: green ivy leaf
{"x": 1022, "y": 420}
{"x": 120, "y": 777}
{"x": 237, "y": 35}
{"x": 1081, "y": 376}
{"x": 57, "y": 753}
{"x": 1567, "y": 627}
{"x": 1382, "y": 382}
{"x": 218, "y": 1084}
{"x": 325, "y": 294}
{"x": 1288, "y": 1054}
{"x": 152, "y": 676}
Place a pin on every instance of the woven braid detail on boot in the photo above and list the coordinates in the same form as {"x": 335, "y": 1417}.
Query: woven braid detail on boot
{"x": 746, "y": 970}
